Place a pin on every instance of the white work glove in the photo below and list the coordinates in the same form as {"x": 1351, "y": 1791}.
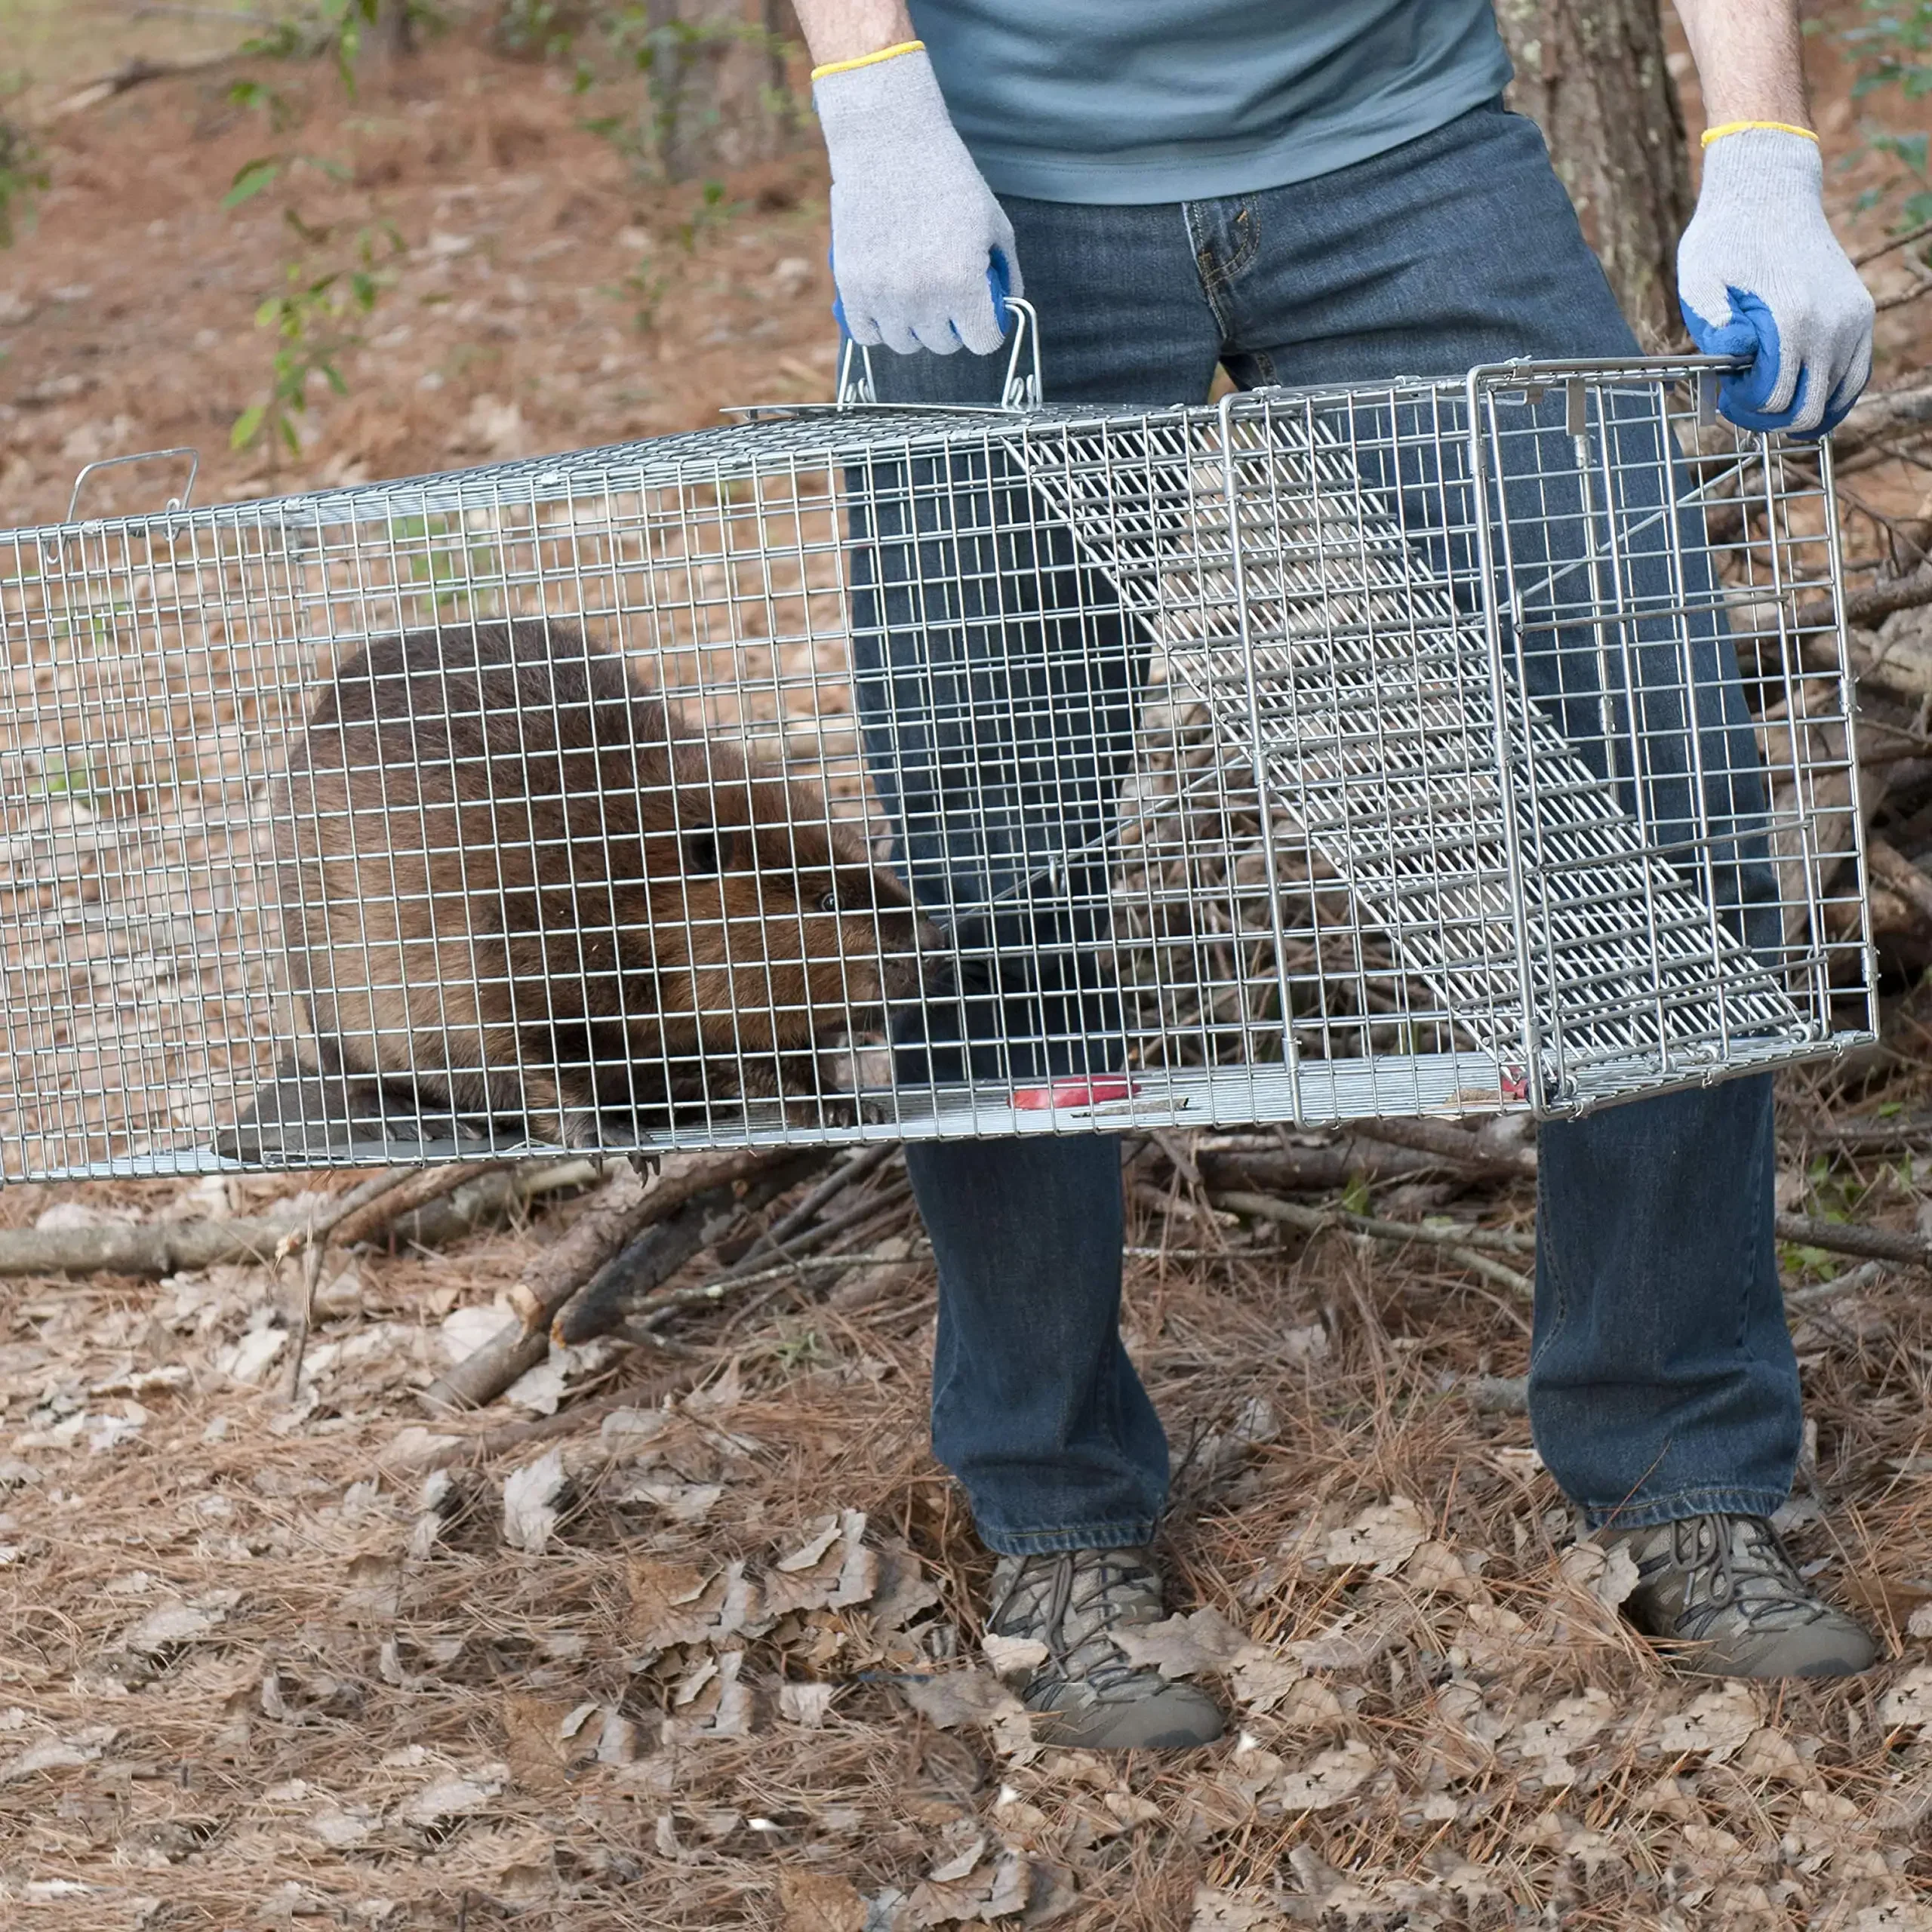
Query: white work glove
{"x": 1759, "y": 273}
{"x": 915, "y": 230}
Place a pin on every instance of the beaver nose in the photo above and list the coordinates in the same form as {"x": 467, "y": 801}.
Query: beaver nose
{"x": 913, "y": 951}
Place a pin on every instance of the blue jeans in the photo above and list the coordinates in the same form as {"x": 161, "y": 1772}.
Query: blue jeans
{"x": 1662, "y": 1379}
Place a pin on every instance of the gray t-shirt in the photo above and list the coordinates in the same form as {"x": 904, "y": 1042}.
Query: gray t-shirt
{"x": 1125, "y": 101}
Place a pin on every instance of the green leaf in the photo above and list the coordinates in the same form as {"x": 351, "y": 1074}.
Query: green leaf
{"x": 247, "y": 426}
{"x": 252, "y": 178}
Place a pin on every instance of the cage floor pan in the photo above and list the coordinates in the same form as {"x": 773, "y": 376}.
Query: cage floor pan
{"x": 301, "y": 1118}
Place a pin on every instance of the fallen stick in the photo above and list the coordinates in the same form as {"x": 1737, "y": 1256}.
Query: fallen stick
{"x": 610, "y": 1226}
{"x": 1870, "y": 1135}
{"x": 1461, "y": 1245}
{"x": 1866, "y": 609}
{"x": 547, "y": 1284}
{"x": 705, "y": 1217}
{"x": 848, "y": 1171}
{"x": 132, "y": 74}
{"x": 176, "y": 1247}
{"x": 1447, "y": 1141}
{"x": 1882, "y": 248}
{"x": 649, "y": 1311}
{"x": 1891, "y": 867}
{"x": 415, "y": 1190}
{"x": 166, "y": 1248}
{"x": 1844, "y": 1238}
{"x": 1880, "y": 414}
{"x": 484, "y": 1444}
{"x": 1310, "y": 1169}
{"x": 1867, "y": 1274}
{"x": 1919, "y": 289}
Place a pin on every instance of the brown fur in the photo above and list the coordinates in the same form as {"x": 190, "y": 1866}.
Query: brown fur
{"x": 509, "y": 880}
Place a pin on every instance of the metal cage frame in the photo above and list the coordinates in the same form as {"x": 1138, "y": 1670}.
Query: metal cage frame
{"x": 1422, "y": 747}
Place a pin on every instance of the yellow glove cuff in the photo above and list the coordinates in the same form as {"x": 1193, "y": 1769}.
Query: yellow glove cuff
{"x": 1710, "y": 134}
{"x": 869, "y": 60}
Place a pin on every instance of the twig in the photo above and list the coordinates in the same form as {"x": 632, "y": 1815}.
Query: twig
{"x": 1883, "y": 248}
{"x": 1450, "y": 1142}
{"x": 650, "y": 1311}
{"x": 1865, "y": 609}
{"x": 1845, "y": 1237}
{"x": 550, "y": 1280}
{"x": 859, "y": 1214}
{"x": 416, "y": 1190}
{"x": 484, "y": 1444}
{"x": 232, "y": 19}
{"x": 848, "y": 1171}
{"x": 1890, "y": 867}
{"x": 1872, "y": 1136}
{"x": 132, "y": 74}
{"x": 1459, "y": 1244}
{"x": 1863, "y": 1276}
{"x": 1880, "y": 414}
{"x": 314, "y": 1228}
{"x": 604, "y": 1235}
{"x": 1923, "y": 287}
{"x": 657, "y": 1249}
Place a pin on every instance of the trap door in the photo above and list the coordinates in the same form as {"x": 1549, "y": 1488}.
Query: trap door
{"x": 1639, "y": 790}
{"x": 1333, "y": 653}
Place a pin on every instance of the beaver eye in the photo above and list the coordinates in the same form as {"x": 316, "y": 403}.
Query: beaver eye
{"x": 829, "y": 903}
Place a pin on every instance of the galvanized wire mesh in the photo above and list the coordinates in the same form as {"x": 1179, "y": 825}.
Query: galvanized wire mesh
{"x": 885, "y": 773}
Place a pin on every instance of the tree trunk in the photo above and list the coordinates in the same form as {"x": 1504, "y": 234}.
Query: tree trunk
{"x": 395, "y": 31}
{"x": 1592, "y": 74}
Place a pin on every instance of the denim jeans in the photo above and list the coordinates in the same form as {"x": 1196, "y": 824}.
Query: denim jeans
{"x": 1662, "y": 1382}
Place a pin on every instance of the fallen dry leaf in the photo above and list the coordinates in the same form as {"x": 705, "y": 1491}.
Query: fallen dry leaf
{"x": 961, "y": 1697}
{"x": 1382, "y": 1538}
{"x": 805, "y": 1704}
{"x": 1717, "y": 1724}
{"x": 1910, "y": 1700}
{"x": 1187, "y": 1646}
{"x": 1328, "y": 1779}
{"x": 1013, "y": 1657}
{"x": 817, "y": 1542}
{"x": 664, "y": 1599}
{"x": 455, "y": 1795}
{"x": 1234, "y": 1912}
{"x": 819, "y": 1902}
{"x": 530, "y": 1500}
{"x": 172, "y": 1624}
{"x": 1607, "y": 1575}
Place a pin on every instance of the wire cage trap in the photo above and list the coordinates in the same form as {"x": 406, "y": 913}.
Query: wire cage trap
{"x": 864, "y": 772}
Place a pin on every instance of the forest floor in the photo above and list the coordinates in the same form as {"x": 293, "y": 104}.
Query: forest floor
{"x": 706, "y": 1655}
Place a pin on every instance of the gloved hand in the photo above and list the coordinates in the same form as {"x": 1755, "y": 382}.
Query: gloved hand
{"x": 913, "y": 223}
{"x": 1759, "y": 273}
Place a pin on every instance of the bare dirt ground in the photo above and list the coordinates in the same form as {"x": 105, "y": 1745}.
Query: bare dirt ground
{"x": 707, "y": 1655}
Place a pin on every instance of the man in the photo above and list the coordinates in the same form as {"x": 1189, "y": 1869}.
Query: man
{"x": 1331, "y": 192}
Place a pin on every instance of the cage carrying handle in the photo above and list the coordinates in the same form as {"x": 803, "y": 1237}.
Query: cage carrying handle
{"x": 179, "y": 503}
{"x": 1019, "y": 392}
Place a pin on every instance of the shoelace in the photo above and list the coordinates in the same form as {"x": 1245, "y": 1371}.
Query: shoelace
{"x": 1705, "y": 1548}
{"x": 1050, "y": 1615}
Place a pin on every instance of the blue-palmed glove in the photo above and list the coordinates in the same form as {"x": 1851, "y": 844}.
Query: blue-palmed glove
{"x": 1759, "y": 273}
{"x": 914, "y": 225}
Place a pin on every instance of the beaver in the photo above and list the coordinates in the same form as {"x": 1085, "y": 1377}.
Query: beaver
{"x": 513, "y": 883}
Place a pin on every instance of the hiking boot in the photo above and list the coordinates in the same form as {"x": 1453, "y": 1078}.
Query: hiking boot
{"x": 1721, "y": 1592}
{"x": 1087, "y": 1694}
